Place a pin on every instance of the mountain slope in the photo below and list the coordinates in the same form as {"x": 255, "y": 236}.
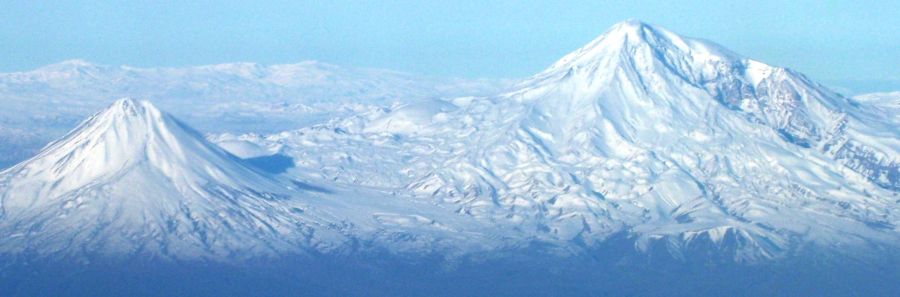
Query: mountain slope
{"x": 134, "y": 180}
{"x": 885, "y": 105}
{"x": 675, "y": 142}
{"x": 233, "y": 97}
{"x": 674, "y": 76}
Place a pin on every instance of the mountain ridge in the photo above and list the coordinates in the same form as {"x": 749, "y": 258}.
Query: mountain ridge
{"x": 718, "y": 154}
{"x": 669, "y": 142}
{"x": 133, "y": 180}
{"x": 129, "y": 178}
{"x": 41, "y": 105}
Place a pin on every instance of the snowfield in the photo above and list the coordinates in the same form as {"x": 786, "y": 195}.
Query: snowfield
{"x": 674, "y": 141}
{"x": 643, "y": 146}
{"x": 134, "y": 180}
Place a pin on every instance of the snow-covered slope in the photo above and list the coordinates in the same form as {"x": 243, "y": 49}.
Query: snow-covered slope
{"x": 671, "y": 143}
{"x": 676, "y": 142}
{"x": 886, "y": 105}
{"x": 131, "y": 178}
{"x": 235, "y": 97}
{"x": 134, "y": 180}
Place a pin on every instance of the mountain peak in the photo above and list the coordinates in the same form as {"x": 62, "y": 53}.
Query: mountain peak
{"x": 634, "y": 31}
{"x": 125, "y": 101}
{"x": 137, "y": 179}
{"x": 629, "y": 26}
{"x": 134, "y": 135}
{"x": 130, "y": 106}
{"x": 136, "y": 116}
{"x": 637, "y": 47}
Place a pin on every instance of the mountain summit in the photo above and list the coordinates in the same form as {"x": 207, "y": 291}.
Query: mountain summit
{"x": 674, "y": 142}
{"x": 637, "y": 45}
{"x": 649, "y": 76}
{"x": 645, "y": 163}
{"x": 132, "y": 178}
{"x": 135, "y": 136}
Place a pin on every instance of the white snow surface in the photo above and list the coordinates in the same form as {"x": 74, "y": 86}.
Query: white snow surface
{"x": 884, "y": 104}
{"x": 132, "y": 179}
{"x": 43, "y": 104}
{"x": 671, "y": 141}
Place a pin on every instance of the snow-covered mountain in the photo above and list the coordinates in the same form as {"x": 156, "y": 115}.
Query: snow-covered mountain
{"x": 131, "y": 177}
{"x": 643, "y": 164}
{"x": 43, "y": 104}
{"x": 134, "y": 180}
{"x": 675, "y": 142}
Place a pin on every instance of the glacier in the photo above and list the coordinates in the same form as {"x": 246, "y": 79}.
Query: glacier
{"x": 644, "y": 163}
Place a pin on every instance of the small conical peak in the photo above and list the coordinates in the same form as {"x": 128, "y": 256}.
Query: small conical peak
{"x": 128, "y": 107}
{"x": 130, "y": 133}
{"x": 629, "y": 26}
{"x": 125, "y": 104}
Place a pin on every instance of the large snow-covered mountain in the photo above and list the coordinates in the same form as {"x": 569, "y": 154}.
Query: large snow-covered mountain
{"x": 673, "y": 144}
{"x": 43, "y": 104}
{"x": 676, "y": 142}
{"x": 134, "y": 180}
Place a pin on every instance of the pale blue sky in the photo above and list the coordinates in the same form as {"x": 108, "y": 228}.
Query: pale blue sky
{"x": 829, "y": 40}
